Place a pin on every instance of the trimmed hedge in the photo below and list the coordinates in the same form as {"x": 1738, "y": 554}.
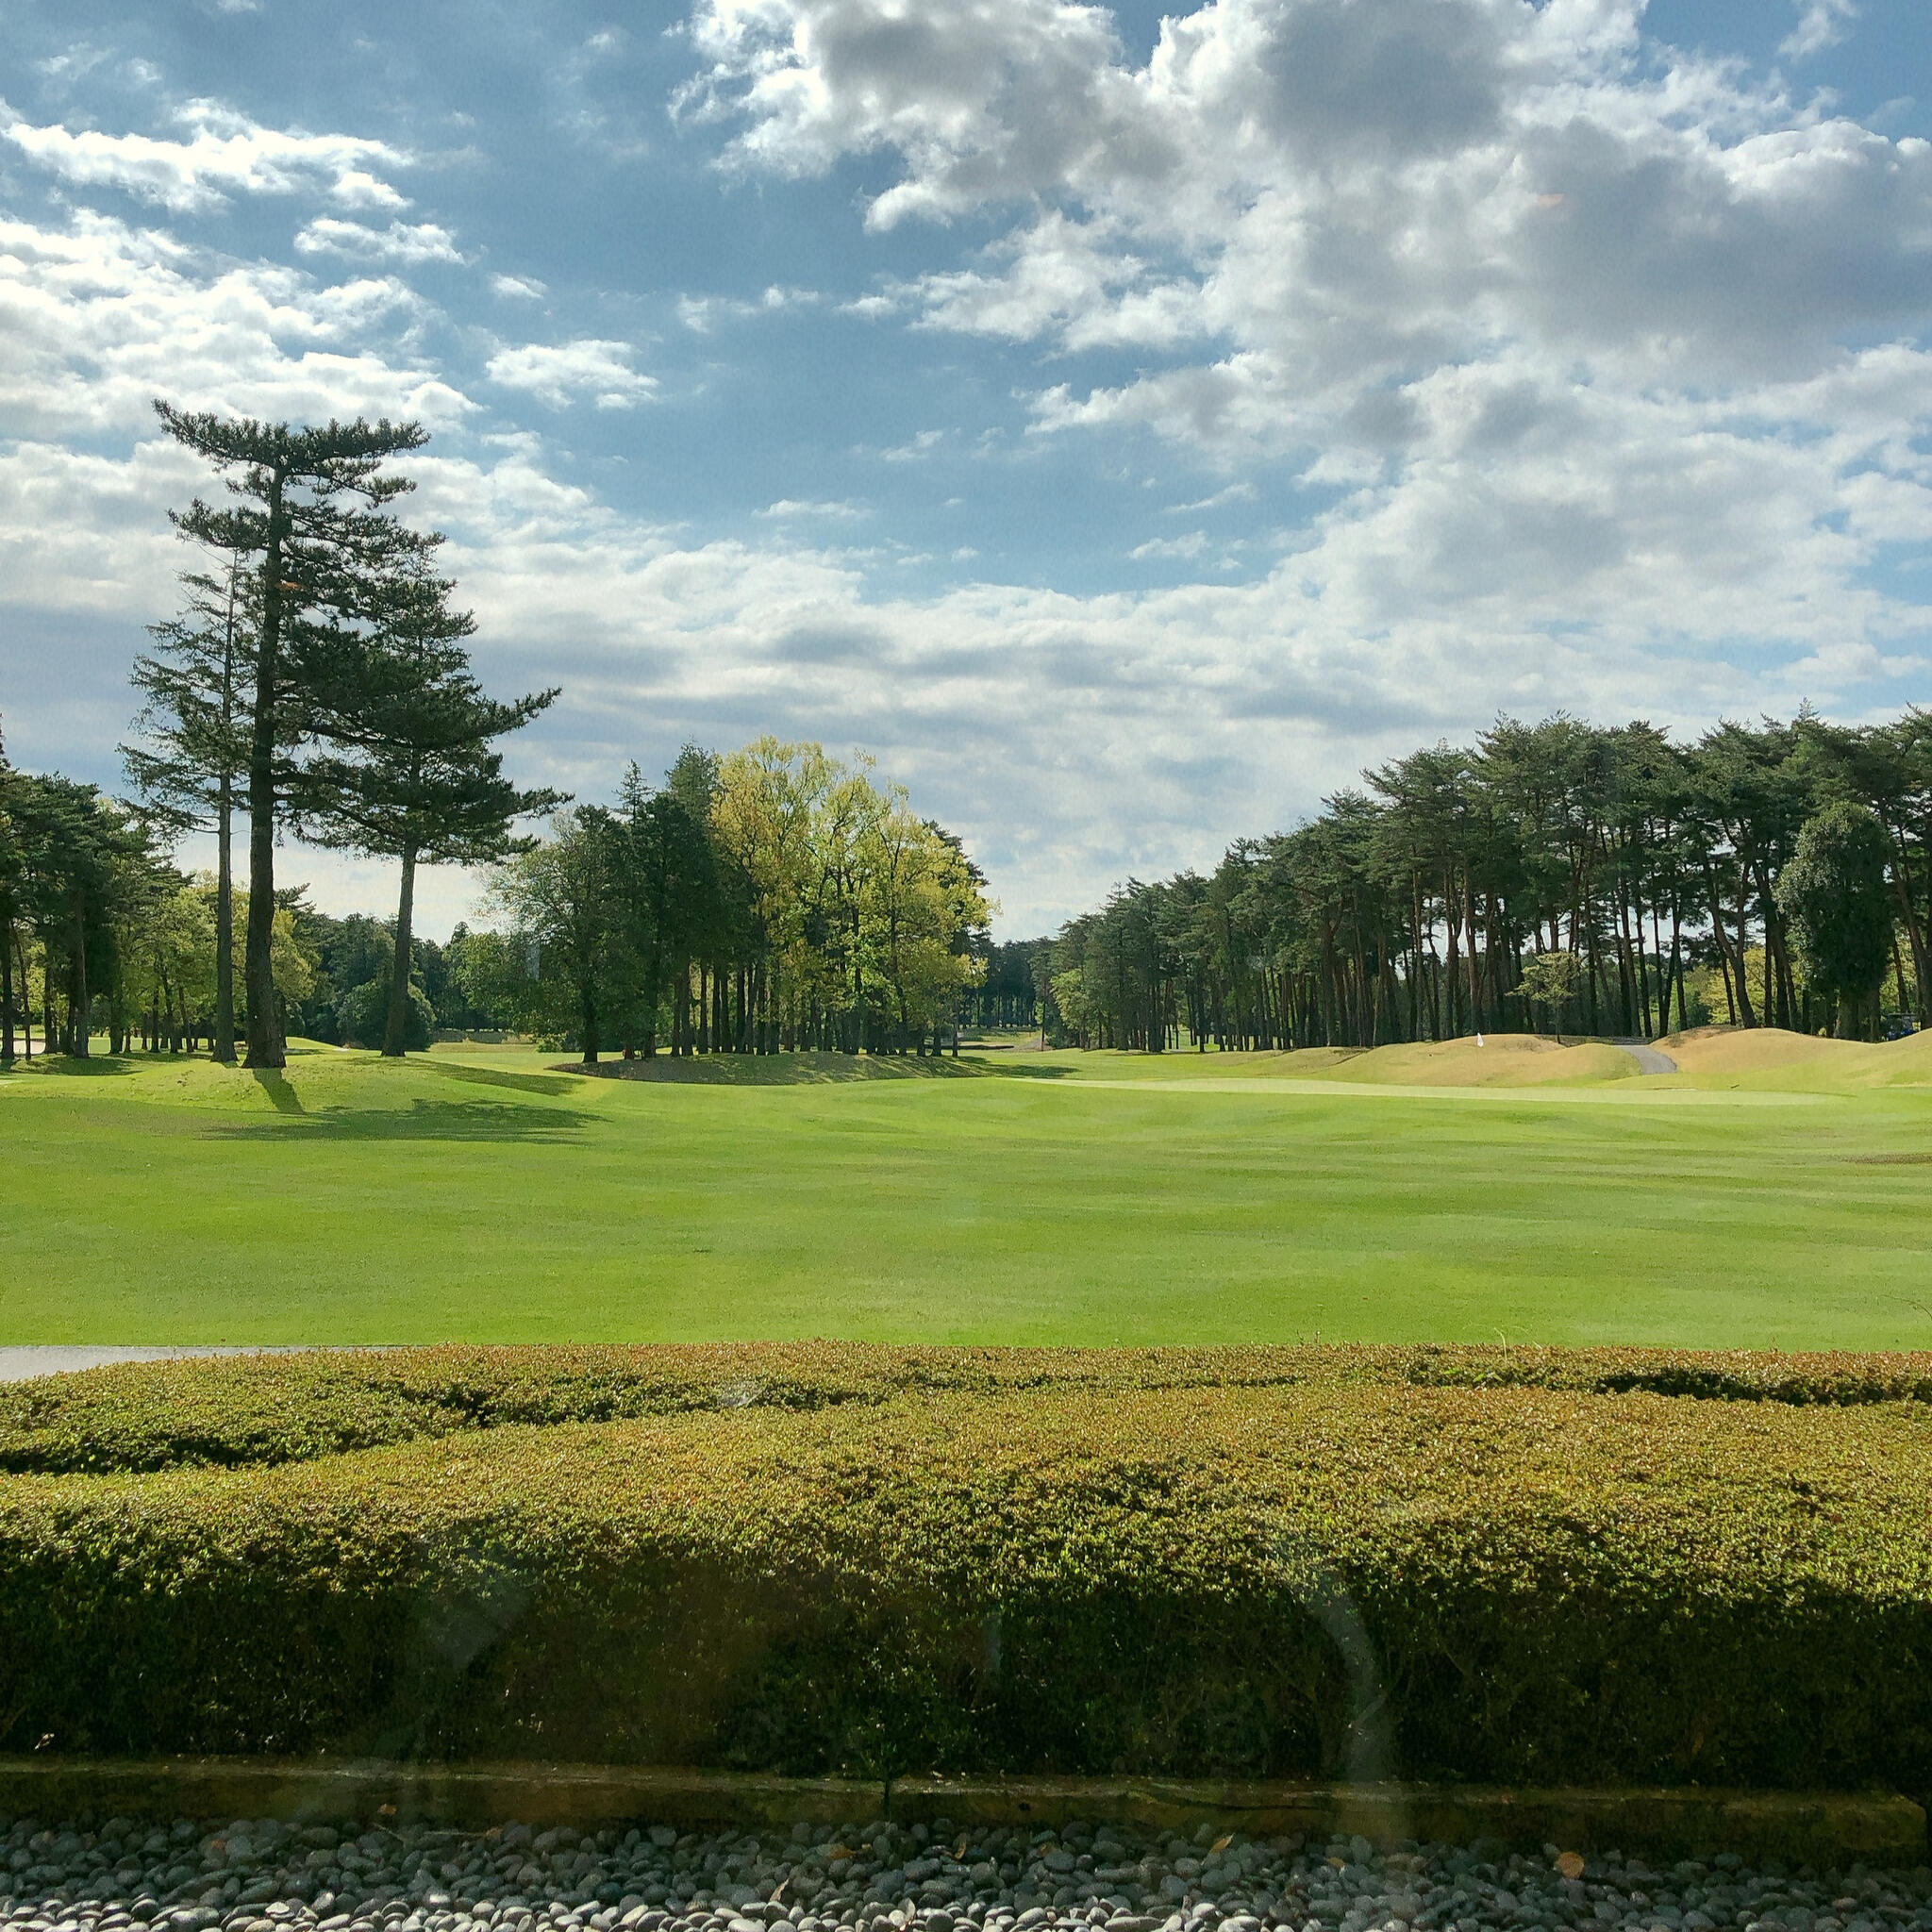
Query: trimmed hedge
{"x": 246, "y": 1410}
{"x": 1336, "y": 1575}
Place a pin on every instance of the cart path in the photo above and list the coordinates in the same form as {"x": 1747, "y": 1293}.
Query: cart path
{"x": 1647, "y": 1057}
{"x": 26, "y": 1363}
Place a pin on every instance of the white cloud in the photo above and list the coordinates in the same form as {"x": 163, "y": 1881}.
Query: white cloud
{"x": 1190, "y": 545}
{"x": 1820, "y": 24}
{"x": 1338, "y": 195}
{"x": 925, "y": 442}
{"x": 1562, "y": 324}
{"x": 99, "y": 318}
{"x": 561, "y": 372}
{"x": 787, "y": 508}
{"x": 1235, "y": 493}
{"x": 517, "y": 288}
{"x": 952, "y": 84}
{"x": 700, "y": 313}
{"x": 406, "y": 244}
{"x": 225, "y": 154}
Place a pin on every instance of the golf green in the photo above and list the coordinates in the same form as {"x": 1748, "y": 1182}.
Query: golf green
{"x": 480, "y": 1195}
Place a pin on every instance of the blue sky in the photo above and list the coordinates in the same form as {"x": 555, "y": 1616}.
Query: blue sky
{"x": 1124, "y": 427}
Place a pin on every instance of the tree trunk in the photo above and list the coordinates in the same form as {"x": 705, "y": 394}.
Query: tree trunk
{"x": 1736, "y": 995}
{"x": 78, "y": 995}
{"x": 223, "y": 1046}
{"x": 1902, "y": 885}
{"x": 1751, "y": 1019}
{"x": 259, "y": 971}
{"x": 224, "y": 924}
{"x": 587, "y": 1019}
{"x": 396, "y": 1034}
{"x": 7, "y": 993}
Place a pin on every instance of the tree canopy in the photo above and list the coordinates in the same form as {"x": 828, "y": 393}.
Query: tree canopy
{"x": 330, "y": 665}
{"x": 1601, "y": 878}
{"x": 773, "y": 899}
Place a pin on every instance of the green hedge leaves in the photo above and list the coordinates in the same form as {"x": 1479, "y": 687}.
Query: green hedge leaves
{"x": 244, "y": 1409}
{"x": 873, "y": 1561}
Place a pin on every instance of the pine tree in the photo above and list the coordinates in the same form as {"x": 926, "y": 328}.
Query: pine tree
{"x": 411, "y": 775}
{"x": 12, "y": 892}
{"x": 197, "y": 730}
{"x": 1835, "y": 895}
{"x": 310, "y": 516}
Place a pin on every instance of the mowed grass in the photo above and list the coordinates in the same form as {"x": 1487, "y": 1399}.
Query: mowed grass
{"x": 480, "y": 1194}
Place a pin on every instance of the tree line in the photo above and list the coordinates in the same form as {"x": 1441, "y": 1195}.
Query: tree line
{"x": 770, "y": 900}
{"x": 315, "y": 680}
{"x": 767, "y": 901}
{"x": 89, "y": 914}
{"x": 1606, "y": 880}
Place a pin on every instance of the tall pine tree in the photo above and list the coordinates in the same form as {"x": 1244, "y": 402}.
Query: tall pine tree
{"x": 196, "y": 728}
{"x": 310, "y": 517}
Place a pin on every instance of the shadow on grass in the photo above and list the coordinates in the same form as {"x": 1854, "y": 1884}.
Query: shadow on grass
{"x": 426, "y": 1120}
{"x": 281, "y": 1095}
{"x": 94, "y": 1067}
{"x": 491, "y": 1076}
{"x": 803, "y": 1070}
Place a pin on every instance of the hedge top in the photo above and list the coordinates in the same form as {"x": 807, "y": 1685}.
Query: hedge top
{"x": 239, "y": 1410}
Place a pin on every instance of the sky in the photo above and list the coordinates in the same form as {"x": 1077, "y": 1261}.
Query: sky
{"x": 1125, "y": 427}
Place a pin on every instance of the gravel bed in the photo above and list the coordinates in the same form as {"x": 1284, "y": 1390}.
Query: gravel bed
{"x": 253, "y": 1875}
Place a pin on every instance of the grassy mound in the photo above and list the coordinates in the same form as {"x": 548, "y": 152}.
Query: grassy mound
{"x": 1771, "y": 1058}
{"x": 1502, "y": 1566}
{"x": 1503, "y": 1059}
{"x": 249, "y": 1410}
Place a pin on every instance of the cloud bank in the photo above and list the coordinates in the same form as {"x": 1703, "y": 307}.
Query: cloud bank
{"x": 1541, "y": 364}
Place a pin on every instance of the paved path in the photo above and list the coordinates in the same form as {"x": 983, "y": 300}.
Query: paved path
{"x": 1647, "y": 1057}
{"x": 24, "y": 1364}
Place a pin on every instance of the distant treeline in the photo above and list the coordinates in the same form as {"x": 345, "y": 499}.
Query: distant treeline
{"x": 1560, "y": 876}
{"x": 762, "y": 901}
{"x": 1557, "y": 875}
{"x": 100, "y": 931}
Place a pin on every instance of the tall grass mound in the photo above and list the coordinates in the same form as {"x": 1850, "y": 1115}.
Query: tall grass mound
{"x": 1503, "y": 1566}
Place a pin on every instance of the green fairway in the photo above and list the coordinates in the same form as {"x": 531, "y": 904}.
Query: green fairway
{"x": 481, "y": 1195}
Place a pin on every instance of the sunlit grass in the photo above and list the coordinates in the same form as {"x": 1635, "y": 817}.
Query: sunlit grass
{"x": 490, "y": 1193}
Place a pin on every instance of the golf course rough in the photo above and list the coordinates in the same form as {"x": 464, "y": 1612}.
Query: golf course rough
{"x": 1079, "y": 1565}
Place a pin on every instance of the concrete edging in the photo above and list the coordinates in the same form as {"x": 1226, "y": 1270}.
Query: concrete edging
{"x": 1817, "y": 1828}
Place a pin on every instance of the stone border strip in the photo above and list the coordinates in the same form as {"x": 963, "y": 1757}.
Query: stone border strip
{"x": 1820, "y": 1828}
